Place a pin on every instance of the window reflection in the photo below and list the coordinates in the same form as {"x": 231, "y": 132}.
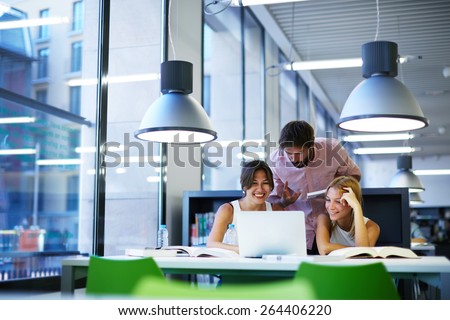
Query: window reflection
{"x": 78, "y": 16}
{"x": 42, "y": 70}
{"x": 232, "y": 63}
{"x": 44, "y": 29}
{"x": 41, "y": 174}
{"x": 47, "y": 174}
{"x": 76, "y": 56}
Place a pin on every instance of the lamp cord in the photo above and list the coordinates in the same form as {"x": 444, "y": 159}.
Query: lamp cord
{"x": 400, "y": 66}
{"x": 378, "y": 22}
{"x": 170, "y": 30}
{"x": 292, "y": 32}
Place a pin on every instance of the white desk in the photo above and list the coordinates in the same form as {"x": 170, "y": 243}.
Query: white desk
{"x": 423, "y": 249}
{"x": 433, "y": 270}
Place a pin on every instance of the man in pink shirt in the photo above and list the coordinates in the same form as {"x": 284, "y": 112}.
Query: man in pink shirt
{"x": 304, "y": 164}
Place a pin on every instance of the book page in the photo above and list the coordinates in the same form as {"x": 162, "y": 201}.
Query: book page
{"x": 149, "y": 252}
{"x": 395, "y": 252}
{"x": 183, "y": 249}
{"x": 203, "y": 251}
{"x": 359, "y": 252}
{"x": 374, "y": 252}
{"x": 216, "y": 252}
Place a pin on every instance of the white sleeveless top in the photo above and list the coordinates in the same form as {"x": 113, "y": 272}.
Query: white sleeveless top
{"x": 343, "y": 237}
{"x": 237, "y": 208}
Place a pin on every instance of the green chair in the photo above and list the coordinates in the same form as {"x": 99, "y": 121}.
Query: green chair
{"x": 152, "y": 288}
{"x": 356, "y": 282}
{"x": 108, "y": 276}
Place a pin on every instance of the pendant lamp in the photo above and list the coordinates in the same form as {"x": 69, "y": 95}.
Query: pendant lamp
{"x": 381, "y": 103}
{"x": 176, "y": 117}
{"x": 415, "y": 198}
{"x": 405, "y": 178}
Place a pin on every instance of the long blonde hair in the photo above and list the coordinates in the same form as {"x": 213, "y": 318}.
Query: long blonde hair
{"x": 340, "y": 183}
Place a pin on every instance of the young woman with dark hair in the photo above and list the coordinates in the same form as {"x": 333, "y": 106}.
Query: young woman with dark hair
{"x": 256, "y": 183}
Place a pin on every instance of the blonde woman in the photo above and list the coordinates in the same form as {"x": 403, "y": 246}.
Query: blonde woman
{"x": 344, "y": 224}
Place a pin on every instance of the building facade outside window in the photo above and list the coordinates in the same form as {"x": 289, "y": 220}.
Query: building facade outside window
{"x": 78, "y": 16}
{"x": 42, "y": 70}
{"x": 41, "y": 95}
{"x": 76, "y": 56}
{"x": 44, "y": 29}
{"x": 75, "y": 100}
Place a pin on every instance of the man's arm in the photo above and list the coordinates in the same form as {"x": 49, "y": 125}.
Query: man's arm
{"x": 275, "y": 195}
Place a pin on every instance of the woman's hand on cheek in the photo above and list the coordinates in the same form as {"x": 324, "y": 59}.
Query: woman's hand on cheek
{"x": 349, "y": 198}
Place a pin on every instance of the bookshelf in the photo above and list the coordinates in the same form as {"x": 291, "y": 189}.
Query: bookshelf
{"x": 195, "y": 202}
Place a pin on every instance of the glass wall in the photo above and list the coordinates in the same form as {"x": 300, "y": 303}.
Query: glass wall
{"x": 42, "y": 166}
{"x": 233, "y": 95}
{"x": 253, "y": 79}
{"x": 49, "y": 104}
{"x": 132, "y": 166}
{"x": 237, "y": 92}
{"x": 288, "y": 97}
{"x": 223, "y": 91}
{"x": 254, "y": 115}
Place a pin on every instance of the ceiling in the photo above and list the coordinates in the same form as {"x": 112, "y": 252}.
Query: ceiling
{"x": 335, "y": 29}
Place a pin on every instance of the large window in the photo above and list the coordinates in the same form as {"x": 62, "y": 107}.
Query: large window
{"x": 254, "y": 127}
{"x": 223, "y": 68}
{"x": 43, "y": 168}
{"x": 233, "y": 95}
{"x": 48, "y": 146}
{"x": 132, "y": 166}
{"x": 288, "y": 97}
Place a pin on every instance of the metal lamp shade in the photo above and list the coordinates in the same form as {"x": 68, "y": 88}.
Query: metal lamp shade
{"x": 414, "y": 198}
{"x": 176, "y": 118}
{"x": 381, "y": 104}
{"x": 406, "y": 179}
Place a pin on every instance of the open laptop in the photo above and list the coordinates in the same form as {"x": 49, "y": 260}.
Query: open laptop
{"x": 271, "y": 232}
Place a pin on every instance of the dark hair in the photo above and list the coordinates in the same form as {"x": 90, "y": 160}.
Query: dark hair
{"x": 296, "y": 134}
{"x": 248, "y": 173}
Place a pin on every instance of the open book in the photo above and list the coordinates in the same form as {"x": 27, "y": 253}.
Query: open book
{"x": 173, "y": 251}
{"x": 202, "y": 251}
{"x": 149, "y": 252}
{"x": 374, "y": 252}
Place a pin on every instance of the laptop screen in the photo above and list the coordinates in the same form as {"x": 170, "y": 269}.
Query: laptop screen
{"x": 271, "y": 232}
